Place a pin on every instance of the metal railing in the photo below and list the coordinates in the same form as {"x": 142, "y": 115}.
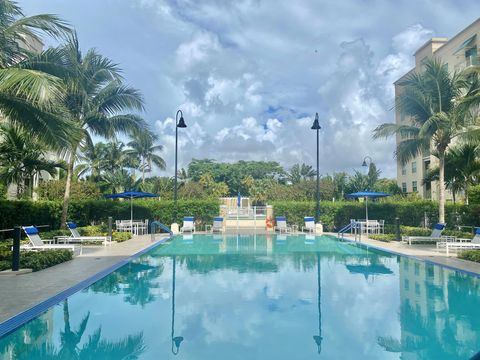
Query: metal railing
{"x": 253, "y": 212}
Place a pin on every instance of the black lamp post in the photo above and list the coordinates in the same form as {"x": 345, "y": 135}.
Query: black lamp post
{"x": 178, "y": 124}
{"x": 316, "y": 126}
{"x": 364, "y": 163}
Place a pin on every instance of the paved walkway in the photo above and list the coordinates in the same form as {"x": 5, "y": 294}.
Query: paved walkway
{"x": 21, "y": 292}
{"x": 424, "y": 252}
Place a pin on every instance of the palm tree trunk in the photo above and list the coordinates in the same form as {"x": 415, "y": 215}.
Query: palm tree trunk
{"x": 441, "y": 195}
{"x": 143, "y": 171}
{"x": 466, "y": 194}
{"x": 66, "y": 196}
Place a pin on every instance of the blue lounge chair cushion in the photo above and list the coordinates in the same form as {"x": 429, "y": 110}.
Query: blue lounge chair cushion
{"x": 217, "y": 219}
{"x": 281, "y": 218}
{"x": 477, "y": 231}
{"x": 71, "y": 225}
{"x": 188, "y": 218}
{"x": 308, "y": 218}
{"x": 30, "y": 230}
{"x": 439, "y": 226}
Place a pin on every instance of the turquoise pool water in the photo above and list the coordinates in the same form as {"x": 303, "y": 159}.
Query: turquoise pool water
{"x": 261, "y": 297}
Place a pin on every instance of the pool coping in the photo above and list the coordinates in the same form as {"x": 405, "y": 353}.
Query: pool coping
{"x": 415, "y": 257}
{"x": 10, "y": 325}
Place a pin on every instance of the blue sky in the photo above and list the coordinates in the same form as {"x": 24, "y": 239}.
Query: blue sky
{"x": 249, "y": 75}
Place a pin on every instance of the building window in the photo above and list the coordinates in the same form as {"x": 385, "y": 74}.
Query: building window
{"x": 406, "y": 284}
{"x": 404, "y": 170}
{"x": 404, "y": 187}
{"x": 417, "y": 269}
{"x": 414, "y": 167}
{"x": 414, "y": 186}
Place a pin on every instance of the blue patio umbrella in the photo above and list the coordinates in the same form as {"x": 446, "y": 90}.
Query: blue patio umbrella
{"x": 367, "y": 195}
{"x": 131, "y": 195}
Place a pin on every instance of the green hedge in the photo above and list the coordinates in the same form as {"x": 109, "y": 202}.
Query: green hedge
{"x": 85, "y": 212}
{"x": 335, "y": 215}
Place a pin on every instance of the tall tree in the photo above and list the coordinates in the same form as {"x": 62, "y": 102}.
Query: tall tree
{"x": 30, "y": 97}
{"x": 432, "y": 99}
{"x": 96, "y": 100}
{"x": 143, "y": 147}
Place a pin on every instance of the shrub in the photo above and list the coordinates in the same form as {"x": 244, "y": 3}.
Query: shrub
{"x": 93, "y": 230}
{"x": 121, "y": 236}
{"x": 382, "y": 237}
{"x": 36, "y": 260}
{"x": 471, "y": 255}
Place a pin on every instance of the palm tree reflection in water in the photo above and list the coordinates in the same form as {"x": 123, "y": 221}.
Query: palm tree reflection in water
{"x": 130, "y": 347}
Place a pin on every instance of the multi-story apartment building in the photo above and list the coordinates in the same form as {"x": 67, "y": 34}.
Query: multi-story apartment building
{"x": 458, "y": 53}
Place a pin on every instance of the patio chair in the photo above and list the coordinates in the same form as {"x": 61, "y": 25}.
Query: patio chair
{"x": 36, "y": 243}
{"x": 188, "y": 224}
{"x": 281, "y": 225}
{"x": 462, "y": 244}
{"x": 435, "y": 236}
{"x": 217, "y": 225}
{"x": 309, "y": 224}
{"x": 76, "y": 237}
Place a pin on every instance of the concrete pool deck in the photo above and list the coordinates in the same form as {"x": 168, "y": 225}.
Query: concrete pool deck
{"x": 21, "y": 292}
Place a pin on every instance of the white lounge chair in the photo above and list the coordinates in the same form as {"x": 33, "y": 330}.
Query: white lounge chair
{"x": 217, "y": 225}
{"x": 188, "y": 224}
{"x": 309, "y": 224}
{"x": 76, "y": 237}
{"x": 36, "y": 243}
{"x": 462, "y": 244}
{"x": 435, "y": 236}
{"x": 281, "y": 225}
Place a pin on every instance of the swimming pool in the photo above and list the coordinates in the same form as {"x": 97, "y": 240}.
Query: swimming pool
{"x": 261, "y": 297}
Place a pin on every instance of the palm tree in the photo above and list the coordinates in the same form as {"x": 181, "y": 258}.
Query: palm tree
{"x": 301, "y": 172}
{"x": 96, "y": 100}
{"x": 462, "y": 169}
{"x": 29, "y": 97}
{"x": 116, "y": 157}
{"x": 22, "y": 156}
{"x": 143, "y": 148}
{"x": 432, "y": 99}
{"x": 92, "y": 161}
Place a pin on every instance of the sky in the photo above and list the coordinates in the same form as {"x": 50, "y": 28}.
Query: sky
{"x": 249, "y": 75}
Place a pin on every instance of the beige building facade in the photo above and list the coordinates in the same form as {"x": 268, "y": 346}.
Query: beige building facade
{"x": 458, "y": 53}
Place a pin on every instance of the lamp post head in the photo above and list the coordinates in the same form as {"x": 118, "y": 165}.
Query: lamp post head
{"x": 316, "y": 125}
{"x": 181, "y": 123}
{"x": 364, "y": 164}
